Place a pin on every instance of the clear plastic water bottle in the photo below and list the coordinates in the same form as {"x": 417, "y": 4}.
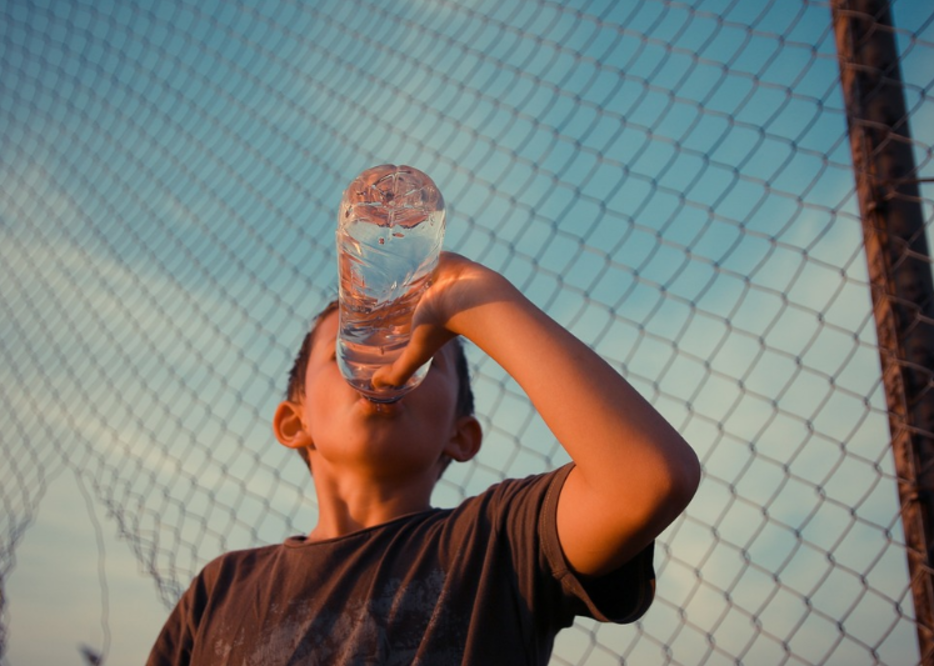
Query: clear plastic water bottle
{"x": 389, "y": 235}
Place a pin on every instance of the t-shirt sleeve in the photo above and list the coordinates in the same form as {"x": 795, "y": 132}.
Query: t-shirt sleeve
{"x": 622, "y": 596}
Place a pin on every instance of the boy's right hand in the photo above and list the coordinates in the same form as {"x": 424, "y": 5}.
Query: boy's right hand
{"x": 459, "y": 286}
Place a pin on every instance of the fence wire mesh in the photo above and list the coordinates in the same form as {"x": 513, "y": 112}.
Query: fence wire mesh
{"x": 670, "y": 180}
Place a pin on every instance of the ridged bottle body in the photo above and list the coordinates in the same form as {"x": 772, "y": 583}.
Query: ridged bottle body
{"x": 389, "y": 237}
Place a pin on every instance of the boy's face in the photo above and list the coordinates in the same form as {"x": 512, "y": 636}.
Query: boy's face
{"x": 342, "y": 428}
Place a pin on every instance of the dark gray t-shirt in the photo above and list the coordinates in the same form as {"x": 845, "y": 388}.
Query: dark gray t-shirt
{"x": 484, "y": 583}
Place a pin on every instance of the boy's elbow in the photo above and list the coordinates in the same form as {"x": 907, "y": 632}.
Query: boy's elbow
{"x": 690, "y": 473}
{"x": 646, "y": 497}
{"x": 683, "y": 480}
{"x": 668, "y": 489}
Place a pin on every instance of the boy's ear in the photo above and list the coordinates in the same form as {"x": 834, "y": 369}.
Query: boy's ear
{"x": 288, "y": 427}
{"x": 465, "y": 442}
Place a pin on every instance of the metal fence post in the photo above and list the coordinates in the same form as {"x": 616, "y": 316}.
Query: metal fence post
{"x": 900, "y": 273}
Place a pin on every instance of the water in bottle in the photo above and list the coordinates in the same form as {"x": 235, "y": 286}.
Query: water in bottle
{"x": 389, "y": 236}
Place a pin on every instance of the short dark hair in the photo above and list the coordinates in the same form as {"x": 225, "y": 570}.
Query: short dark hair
{"x": 296, "y": 387}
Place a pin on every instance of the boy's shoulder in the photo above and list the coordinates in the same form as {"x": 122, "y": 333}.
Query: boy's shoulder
{"x": 238, "y": 562}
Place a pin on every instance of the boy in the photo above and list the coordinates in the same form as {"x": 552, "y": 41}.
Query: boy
{"x": 385, "y": 579}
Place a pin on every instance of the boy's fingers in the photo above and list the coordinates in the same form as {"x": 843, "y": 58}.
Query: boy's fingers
{"x": 425, "y": 342}
{"x": 428, "y": 331}
{"x": 385, "y": 377}
{"x": 396, "y": 374}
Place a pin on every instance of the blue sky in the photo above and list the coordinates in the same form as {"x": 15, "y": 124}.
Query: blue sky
{"x": 669, "y": 180}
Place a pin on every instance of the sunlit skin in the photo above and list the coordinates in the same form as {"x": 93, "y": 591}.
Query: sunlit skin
{"x": 633, "y": 472}
{"x": 372, "y": 463}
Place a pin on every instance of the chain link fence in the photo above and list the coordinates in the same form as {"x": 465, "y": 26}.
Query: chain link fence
{"x": 670, "y": 180}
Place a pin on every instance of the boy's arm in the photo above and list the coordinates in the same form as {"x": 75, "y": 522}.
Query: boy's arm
{"x": 633, "y": 472}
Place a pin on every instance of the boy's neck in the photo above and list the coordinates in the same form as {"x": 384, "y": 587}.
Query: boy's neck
{"x": 350, "y": 504}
